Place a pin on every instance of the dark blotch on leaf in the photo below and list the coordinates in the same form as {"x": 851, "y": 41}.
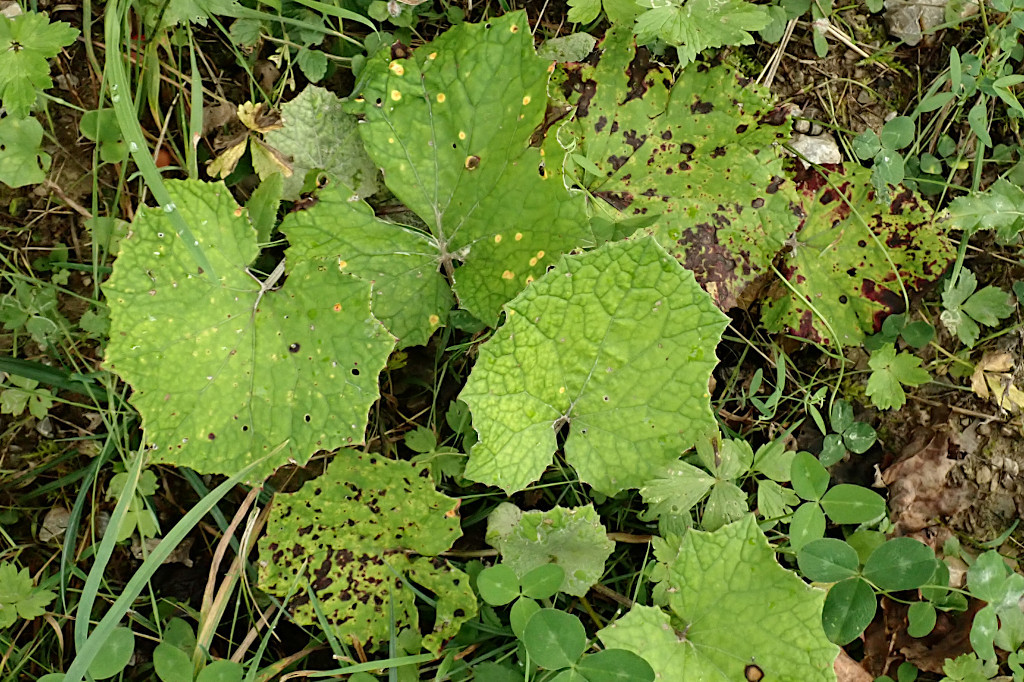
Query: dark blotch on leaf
{"x": 294, "y": 348}
{"x": 700, "y": 107}
{"x": 472, "y": 162}
{"x": 687, "y": 148}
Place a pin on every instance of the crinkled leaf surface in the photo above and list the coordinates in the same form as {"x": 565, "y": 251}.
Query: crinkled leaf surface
{"x": 451, "y": 128}
{"x": 618, "y": 343}
{"x": 318, "y": 134}
{"x": 839, "y": 262}
{"x": 409, "y": 294}
{"x": 572, "y": 538}
{"x": 350, "y": 534}
{"x": 697, "y": 154}
{"x": 729, "y": 604}
{"x": 222, "y": 374}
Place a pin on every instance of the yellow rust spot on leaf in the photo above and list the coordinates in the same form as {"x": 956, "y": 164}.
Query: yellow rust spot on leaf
{"x": 433, "y": 320}
{"x": 508, "y": 274}
{"x": 529, "y": 278}
{"x": 462, "y": 134}
{"x": 238, "y": 212}
{"x": 562, "y": 389}
{"x": 391, "y": 140}
{"x": 519, "y": 236}
{"x": 440, "y": 98}
{"x": 515, "y": 28}
{"x": 540, "y": 254}
{"x": 396, "y": 95}
{"x": 432, "y": 55}
{"x": 497, "y": 239}
{"x": 337, "y": 307}
{"x": 342, "y": 264}
{"x": 397, "y": 69}
{"x": 526, "y": 100}
{"x": 533, "y": 261}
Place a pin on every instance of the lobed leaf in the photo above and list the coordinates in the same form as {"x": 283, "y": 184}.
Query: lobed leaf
{"x": 727, "y": 602}
{"x": 224, "y": 372}
{"x": 349, "y": 535}
{"x": 451, "y": 128}
{"x": 618, "y": 345}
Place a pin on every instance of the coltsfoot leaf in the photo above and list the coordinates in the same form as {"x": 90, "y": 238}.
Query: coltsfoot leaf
{"x": 224, "y": 372}
{"x": 350, "y": 534}
{"x": 451, "y": 129}
{"x": 571, "y": 538}
{"x": 729, "y": 605}
{"x": 409, "y": 294}
{"x": 618, "y": 344}
{"x": 696, "y": 156}
{"x": 318, "y": 134}
{"x": 852, "y": 260}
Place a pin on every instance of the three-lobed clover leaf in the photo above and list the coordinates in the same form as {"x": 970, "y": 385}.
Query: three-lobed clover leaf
{"x": 727, "y": 602}
{"x": 694, "y": 159}
{"x": 451, "y": 128}
{"x": 351, "y": 535}
{"x": 410, "y": 296}
{"x": 226, "y": 371}
{"x": 27, "y": 41}
{"x": 618, "y": 345}
{"x": 851, "y": 263}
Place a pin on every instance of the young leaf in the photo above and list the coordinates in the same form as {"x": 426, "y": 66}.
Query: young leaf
{"x": 676, "y": 490}
{"x": 725, "y": 588}
{"x": 225, "y": 371}
{"x": 572, "y": 538}
{"x": 452, "y": 135}
{"x": 316, "y": 133}
{"x": 890, "y": 372}
{"x": 998, "y": 208}
{"x": 697, "y": 25}
{"x": 27, "y": 41}
{"x": 352, "y": 534}
{"x": 630, "y": 409}
{"x": 22, "y": 162}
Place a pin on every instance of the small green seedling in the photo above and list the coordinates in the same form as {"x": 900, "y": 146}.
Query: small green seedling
{"x": 19, "y": 598}
{"x": 884, "y": 150}
{"x": 966, "y": 307}
{"x": 849, "y": 434}
{"x": 890, "y": 372}
{"x": 20, "y": 394}
{"x": 139, "y": 517}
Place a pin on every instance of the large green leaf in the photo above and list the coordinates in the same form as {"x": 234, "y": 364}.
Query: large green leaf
{"x": 845, "y": 259}
{"x": 450, "y": 127}
{"x": 572, "y": 538}
{"x": 409, "y": 294}
{"x": 223, "y": 371}
{"x": 696, "y": 156}
{"x": 318, "y": 134}
{"x": 349, "y": 535}
{"x": 618, "y": 344}
{"x": 729, "y": 605}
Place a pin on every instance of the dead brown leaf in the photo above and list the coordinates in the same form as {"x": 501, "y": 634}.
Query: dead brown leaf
{"x": 849, "y": 670}
{"x": 919, "y": 494}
